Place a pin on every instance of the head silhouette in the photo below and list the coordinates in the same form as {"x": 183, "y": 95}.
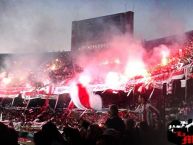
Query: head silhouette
{"x": 113, "y": 110}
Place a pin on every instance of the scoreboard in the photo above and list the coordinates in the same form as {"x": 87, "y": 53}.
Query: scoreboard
{"x": 96, "y": 33}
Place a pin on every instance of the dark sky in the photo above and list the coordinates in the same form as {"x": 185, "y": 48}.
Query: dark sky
{"x": 45, "y": 25}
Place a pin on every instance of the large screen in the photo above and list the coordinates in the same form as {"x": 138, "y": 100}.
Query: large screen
{"x": 97, "y": 32}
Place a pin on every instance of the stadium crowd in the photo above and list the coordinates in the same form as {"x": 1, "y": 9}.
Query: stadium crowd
{"x": 41, "y": 125}
{"x": 72, "y": 128}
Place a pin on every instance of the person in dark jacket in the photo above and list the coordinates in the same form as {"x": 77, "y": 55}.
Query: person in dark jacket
{"x": 114, "y": 121}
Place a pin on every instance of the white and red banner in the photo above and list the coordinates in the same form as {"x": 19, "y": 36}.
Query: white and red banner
{"x": 84, "y": 99}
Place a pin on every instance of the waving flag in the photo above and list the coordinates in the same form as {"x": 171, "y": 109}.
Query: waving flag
{"x": 84, "y": 99}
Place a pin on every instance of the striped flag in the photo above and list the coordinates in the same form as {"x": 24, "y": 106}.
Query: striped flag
{"x": 84, "y": 99}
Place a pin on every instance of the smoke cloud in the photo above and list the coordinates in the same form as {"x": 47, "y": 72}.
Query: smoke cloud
{"x": 42, "y": 26}
{"x": 37, "y": 26}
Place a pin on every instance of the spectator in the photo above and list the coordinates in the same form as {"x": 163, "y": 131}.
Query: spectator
{"x": 131, "y": 135}
{"x": 49, "y": 135}
{"x": 93, "y": 133}
{"x": 110, "y": 137}
{"x": 8, "y": 136}
{"x": 114, "y": 121}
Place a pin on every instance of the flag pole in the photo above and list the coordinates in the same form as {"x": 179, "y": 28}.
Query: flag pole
{"x": 186, "y": 88}
{"x": 56, "y": 102}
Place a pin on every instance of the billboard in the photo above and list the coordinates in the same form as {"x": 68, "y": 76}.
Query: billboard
{"x": 95, "y": 33}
